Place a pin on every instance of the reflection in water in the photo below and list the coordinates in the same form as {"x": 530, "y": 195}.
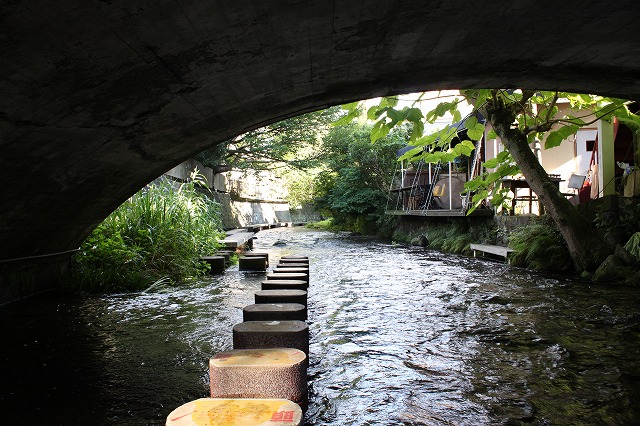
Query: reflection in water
{"x": 398, "y": 336}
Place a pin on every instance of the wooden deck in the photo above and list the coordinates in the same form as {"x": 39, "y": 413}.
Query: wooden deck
{"x": 494, "y": 250}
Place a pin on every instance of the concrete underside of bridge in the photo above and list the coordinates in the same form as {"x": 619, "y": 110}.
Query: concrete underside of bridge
{"x": 97, "y": 98}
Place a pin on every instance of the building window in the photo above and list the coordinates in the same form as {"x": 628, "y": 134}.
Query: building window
{"x": 590, "y": 145}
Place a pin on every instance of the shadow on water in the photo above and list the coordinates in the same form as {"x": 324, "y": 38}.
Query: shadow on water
{"x": 398, "y": 336}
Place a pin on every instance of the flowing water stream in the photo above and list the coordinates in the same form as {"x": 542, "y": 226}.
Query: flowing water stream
{"x": 399, "y": 336}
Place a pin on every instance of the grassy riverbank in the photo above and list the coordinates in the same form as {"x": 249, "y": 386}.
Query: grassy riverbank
{"x": 157, "y": 235}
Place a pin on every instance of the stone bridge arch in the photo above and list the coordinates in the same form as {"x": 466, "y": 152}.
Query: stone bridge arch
{"x": 97, "y": 98}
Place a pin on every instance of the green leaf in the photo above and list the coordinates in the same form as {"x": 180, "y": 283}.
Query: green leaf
{"x": 379, "y": 130}
{"x": 417, "y": 131}
{"x": 492, "y": 134}
{"x": 353, "y": 113}
{"x": 389, "y": 101}
{"x": 466, "y": 147}
{"x": 414, "y": 115}
{"x": 476, "y": 132}
{"x": 410, "y": 154}
{"x": 556, "y": 137}
{"x": 470, "y": 123}
{"x": 374, "y": 112}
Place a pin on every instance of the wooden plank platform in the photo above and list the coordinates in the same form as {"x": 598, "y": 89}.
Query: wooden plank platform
{"x": 495, "y": 250}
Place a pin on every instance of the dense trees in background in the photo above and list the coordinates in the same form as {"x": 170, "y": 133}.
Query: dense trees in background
{"x": 352, "y": 188}
{"x": 334, "y": 168}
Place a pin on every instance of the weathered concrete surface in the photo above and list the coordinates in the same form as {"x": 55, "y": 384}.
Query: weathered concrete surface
{"x": 217, "y": 263}
{"x": 236, "y": 412}
{"x": 99, "y": 98}
{"x": 285, "y": 285}
{"x": 271, "y": 334}
{"x": 260, "y": 373}
{"x": 281, "y": 296}
{"x": 252, "y": 263}
{"x": 284, "y": 270}
{"x": 288, "y": 276}
{"x": 274, "y": 312}
{"x": 294, "y": 260}
{"x": 292, "y": 265}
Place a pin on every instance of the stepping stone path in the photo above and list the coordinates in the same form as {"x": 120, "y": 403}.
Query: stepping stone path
{"x": 263, "y": 380}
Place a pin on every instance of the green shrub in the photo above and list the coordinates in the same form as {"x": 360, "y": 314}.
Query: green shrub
{"x": 158, "y": 233}
{"x": 539, "y": 246}
{"x": 450, "y": 238}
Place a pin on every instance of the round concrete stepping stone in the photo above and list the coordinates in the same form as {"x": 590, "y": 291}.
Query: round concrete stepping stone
{"x": 294, "y": 260}
{"x": 302, "y": 270}
{"x": 271, "y": 334}
{"x": 217, "y": 263}
{"x": 301, "y": 276}
{"x": 257, "y": 254}
{"x": 260, "y": 373}
{"x": 281, "y": 296}
{"x": 274, "y": 312}
{"x": 292, "y": 265}
{"x": 284, "y": 285}
{"x": 236, "y": 412}
{"x": 252, "y": 263}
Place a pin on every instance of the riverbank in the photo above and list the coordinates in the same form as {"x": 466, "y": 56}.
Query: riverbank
{"x": 536, "y": 242}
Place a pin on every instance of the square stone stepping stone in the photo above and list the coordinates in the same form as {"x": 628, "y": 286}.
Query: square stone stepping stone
{"x": 217, "y": 263}
{"x": 252, "y": 263}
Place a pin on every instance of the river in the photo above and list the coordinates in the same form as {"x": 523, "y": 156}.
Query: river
{"x": 399, "y": 336}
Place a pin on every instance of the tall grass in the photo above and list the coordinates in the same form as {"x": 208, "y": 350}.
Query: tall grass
{"x": 540, "y": 246}
{"x": 158, "y": 233}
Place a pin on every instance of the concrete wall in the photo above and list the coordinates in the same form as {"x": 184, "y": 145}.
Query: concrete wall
{"x": 237, "y": 214}
{"x": 246, "y": 197}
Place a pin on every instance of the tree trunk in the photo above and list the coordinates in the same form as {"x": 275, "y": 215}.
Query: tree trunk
{"x": 587, "y": 249}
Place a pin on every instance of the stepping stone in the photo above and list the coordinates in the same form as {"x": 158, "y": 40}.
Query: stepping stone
{"x": 295, "y": 256}
{"x": 274, "y": 312}
{"x": 257, "y": 254}
{"x": 217, "y": 263}
{"x": 236, "y": 412}
{"x": 281, "y": 296}
{"x": 292, "y": 265}
{"x": 260, "y": 373}
{"x": 294, "y": 260}
{"x": 227, "y": 256}
{"x": 258, "y": 264}
{"x": 301, "y": 276}
{"x": 280, "y": 270}
{"x": 284, "y": 285}
{"x": 271, "y": 334}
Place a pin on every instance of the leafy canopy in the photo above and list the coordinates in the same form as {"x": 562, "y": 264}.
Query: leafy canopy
{"x": 537, "y": 116}
{"x": 290, "y": 143}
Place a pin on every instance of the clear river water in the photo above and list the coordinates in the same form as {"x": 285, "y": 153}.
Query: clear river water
{"x": 399, "y": 336}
